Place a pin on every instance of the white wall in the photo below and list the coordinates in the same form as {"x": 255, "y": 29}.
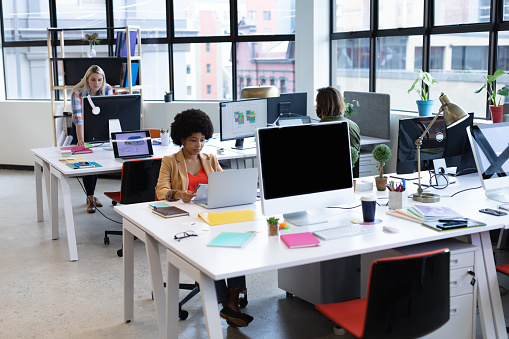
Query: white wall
{"x": 27, "y": 124}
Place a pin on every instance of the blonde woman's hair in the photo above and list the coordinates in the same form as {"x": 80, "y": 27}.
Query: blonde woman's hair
{"x": 329, "y": 102}
{"x": 82, "y": 86}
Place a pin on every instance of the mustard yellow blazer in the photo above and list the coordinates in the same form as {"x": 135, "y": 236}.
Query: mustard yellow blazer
{"x": 173, "y": 172}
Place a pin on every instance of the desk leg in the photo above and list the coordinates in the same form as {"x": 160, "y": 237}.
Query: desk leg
{"x": 38, "y": 188}
{"x": 489, "y": 301}
{"x": 69, "y": 219}
{"x": 172, "y": 300}
{"x": 128, "y": 262}
{"x": 210, "y": 309}
{"x": 53, "y": 202}
{"x": 156, "y": 274}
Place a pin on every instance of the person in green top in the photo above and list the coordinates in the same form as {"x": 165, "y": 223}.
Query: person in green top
{"x": 330, "y": 106}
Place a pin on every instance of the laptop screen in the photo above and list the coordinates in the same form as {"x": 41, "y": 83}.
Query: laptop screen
{"x": 133, "y": 143}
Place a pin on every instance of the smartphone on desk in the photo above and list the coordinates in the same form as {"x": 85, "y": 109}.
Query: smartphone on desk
{"x": 449, "y": 225}
{"x": 492, "y": 212}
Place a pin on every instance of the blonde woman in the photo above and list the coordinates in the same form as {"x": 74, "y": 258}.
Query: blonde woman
{"x": 93, "y": 84}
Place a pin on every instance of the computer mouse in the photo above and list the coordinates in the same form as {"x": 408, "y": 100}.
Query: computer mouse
{"x": 391, "y": 229}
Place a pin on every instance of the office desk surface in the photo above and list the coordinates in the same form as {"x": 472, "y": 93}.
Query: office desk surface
{"x": 206, "y": 264}
{"x": 57, "y": 174}
{"x": 266, "y": 253}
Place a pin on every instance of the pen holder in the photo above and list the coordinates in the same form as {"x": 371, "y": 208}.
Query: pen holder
{"x": 165, "y": 139}
{"x": 396, "y": 200}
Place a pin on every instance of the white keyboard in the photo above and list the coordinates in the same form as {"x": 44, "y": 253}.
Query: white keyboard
{"x": 342, "y": 232}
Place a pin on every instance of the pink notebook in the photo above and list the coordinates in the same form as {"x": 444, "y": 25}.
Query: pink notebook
{"x": 296, "y": 240}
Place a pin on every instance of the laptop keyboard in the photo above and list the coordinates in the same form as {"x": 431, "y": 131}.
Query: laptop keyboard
{"x": 342, "y": 232}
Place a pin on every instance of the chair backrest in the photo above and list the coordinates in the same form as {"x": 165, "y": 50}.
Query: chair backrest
{"x": 139, "y": 179}
{"x": 408, "y": 296}
{"x": 154, "y": 132}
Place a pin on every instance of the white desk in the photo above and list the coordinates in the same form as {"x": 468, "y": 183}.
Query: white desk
{"x": 58, "y": 174}
{"x": 263, "y": 253}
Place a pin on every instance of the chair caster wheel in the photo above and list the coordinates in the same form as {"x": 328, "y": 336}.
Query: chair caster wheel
{"x": 243, "y": 302}
{"x": 183, "y": 315}
{"x": 120, "y": 253}
{"x": 106, "y": 240}
{"x": 114, "y": 203}
{"x": 339, "y": 330}
{"x": 289, "y": 295}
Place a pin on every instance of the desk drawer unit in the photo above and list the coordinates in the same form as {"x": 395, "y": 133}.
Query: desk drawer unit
{"x": 462, "y": 320}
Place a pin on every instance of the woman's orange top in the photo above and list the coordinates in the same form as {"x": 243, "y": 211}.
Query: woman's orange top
{"x": 195, "y": 180}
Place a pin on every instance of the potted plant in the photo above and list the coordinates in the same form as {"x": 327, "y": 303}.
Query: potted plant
{"x": 425, "y": 80}
{"x": 351, "y": 107}
{"x": 490, "y": 85}
{"x": 168, "y": 96}
{"x": 381, "y": 154}
{"x": 273, "y": 225}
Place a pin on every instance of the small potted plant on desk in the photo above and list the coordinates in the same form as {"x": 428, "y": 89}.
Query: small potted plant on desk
{"x": 381, "y": 154}
{"x": 424, "y": 105}
{"x": 273, "y": 225}
{"x": 496, "y": 108}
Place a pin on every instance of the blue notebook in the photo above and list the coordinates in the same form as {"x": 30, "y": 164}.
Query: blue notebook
{"x": 231, "y": 239}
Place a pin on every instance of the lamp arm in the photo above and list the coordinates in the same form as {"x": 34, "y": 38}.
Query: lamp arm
{"x": 419, "y": 140}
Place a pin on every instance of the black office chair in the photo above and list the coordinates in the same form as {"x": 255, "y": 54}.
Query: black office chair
{"x": 408, "y": 297}
{"x": 137, "y": 184}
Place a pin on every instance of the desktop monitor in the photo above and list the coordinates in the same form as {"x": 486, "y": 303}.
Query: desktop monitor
{"x": 299, "y": 174}
{"x": 373, "y": 116}
{"x": 440, "y": 142}
{"x": 286, "y": 105}
{"x": 491, "y": 152}
{"x": 126, "y": 108}
{"x": 240, "y": 119}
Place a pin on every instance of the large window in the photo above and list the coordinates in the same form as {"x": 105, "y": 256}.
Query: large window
{"x": 189, "y": 47}
{"x": 382, "y": 51}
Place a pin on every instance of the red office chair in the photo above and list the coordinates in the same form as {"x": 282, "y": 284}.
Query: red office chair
{"x": 137, "y": 184}
{"x": 505, "y": 270}
{"x": 408, "y": 297}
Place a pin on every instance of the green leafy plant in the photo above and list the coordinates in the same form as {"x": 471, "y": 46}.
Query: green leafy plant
{"x": 490, "y": 86}
{"x": 94, "y": 38}
{"x": 272, "y": 221}
{"x": 381, "y": 153}
{"x": 425, "y": 80}
{"x": 351, "y": 107}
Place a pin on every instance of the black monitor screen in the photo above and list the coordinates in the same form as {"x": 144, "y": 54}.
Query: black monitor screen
{"x": 440, "y": 142}
{"x": 286, "y": 104}
{"x": 126, "y": 108}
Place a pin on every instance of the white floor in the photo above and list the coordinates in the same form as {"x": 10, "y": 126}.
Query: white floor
{"x": 44, "y": 295}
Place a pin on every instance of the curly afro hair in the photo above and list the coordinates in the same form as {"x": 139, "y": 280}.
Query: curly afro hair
{"x": 188, "y": 122}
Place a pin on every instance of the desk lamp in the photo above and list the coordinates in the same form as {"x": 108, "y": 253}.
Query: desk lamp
{"x": 255, "y": 92}
{"x": 453, "y": 115}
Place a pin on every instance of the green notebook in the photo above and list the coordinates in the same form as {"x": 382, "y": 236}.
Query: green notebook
{"x": 231, "y": 239}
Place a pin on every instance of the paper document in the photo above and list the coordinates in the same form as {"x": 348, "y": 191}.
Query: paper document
{"x": 202, "y": 192}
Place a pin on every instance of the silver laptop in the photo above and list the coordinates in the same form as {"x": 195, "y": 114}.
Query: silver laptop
{"x": 231, "y": 188}
{"x": 132, "y": 145}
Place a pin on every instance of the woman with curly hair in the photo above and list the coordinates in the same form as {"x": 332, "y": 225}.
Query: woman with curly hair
{"x": 180, "y": 174}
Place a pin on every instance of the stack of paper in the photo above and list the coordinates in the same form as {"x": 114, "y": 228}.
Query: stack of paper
{"x": 422, "y": 213}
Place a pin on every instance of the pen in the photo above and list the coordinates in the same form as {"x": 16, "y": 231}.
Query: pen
{"x": 196, "y": 189}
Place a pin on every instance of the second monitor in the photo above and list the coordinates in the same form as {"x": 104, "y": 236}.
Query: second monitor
{"x": 240, "y": 119}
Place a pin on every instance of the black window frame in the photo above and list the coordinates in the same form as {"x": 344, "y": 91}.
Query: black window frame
{"x": 170, "y": 40}
{"x": 428, "y": 28}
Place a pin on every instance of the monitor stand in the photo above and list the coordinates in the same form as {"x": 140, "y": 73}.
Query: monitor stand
{"x": 303, "y": 218}
{"x": 239, "y": 143}
{"x": 113, "y": 127}
{"x": 498, "y": 194}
